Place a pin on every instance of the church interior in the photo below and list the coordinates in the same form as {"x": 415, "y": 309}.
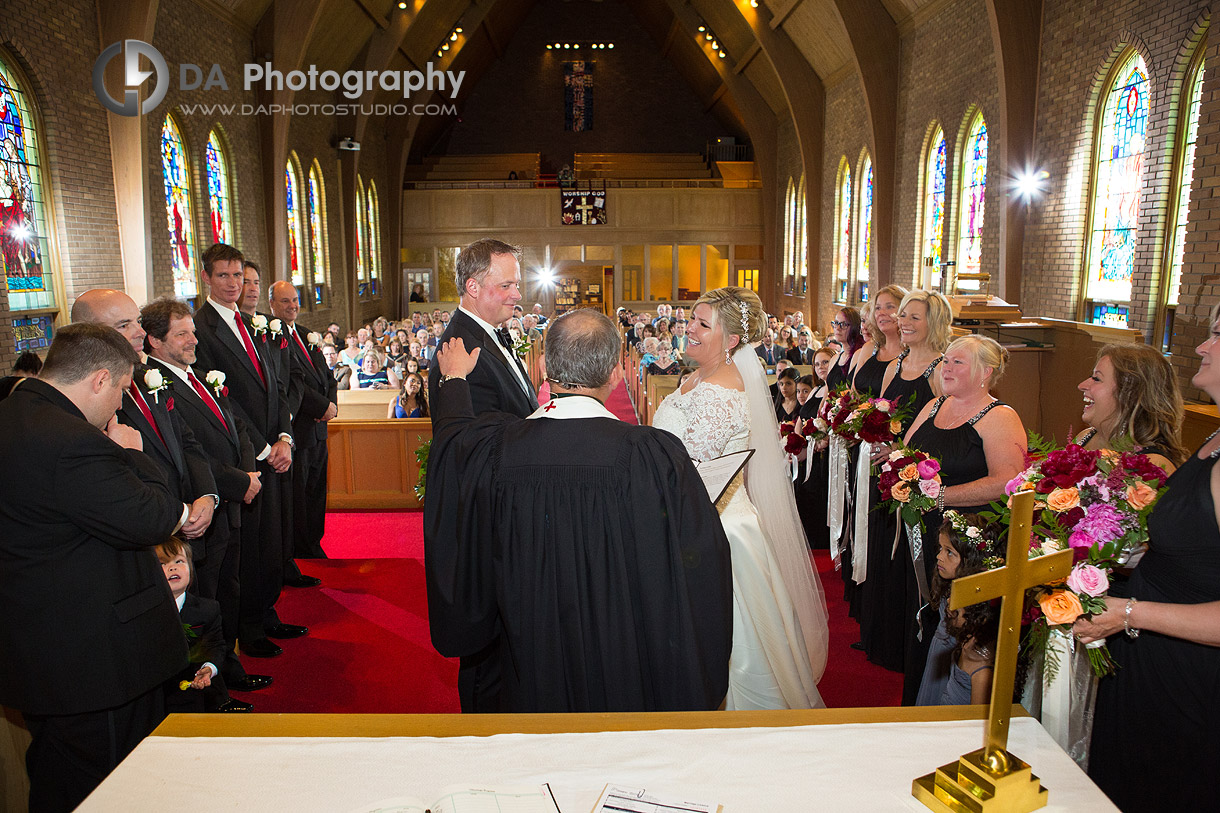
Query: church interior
{"x": 1051, "y": 166}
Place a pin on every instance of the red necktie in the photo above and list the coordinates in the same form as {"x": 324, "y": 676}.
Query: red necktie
{"x": 301, "y": 345}
{"x": 245, "y": 338}
{"x": 207, "y": 398}
{"x": 138, "y": 397}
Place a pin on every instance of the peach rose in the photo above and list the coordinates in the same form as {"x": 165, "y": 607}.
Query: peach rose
{"x": 1063, "y": 499}
{"x": 895, "y": 426}
{"x": 901, "y": 491}
{"x": 909, "y": 472}
{"x": 1061, "y": 607}
{"x": 1140, "y": 495}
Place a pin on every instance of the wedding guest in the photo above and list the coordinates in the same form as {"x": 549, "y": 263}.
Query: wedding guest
{"x": 665, "y": 363}
{"x": 802, "y": 354}
{"x": 417, "y": 293}
{"x": 412, "y": 400}
{"x": 341, "y": 372}
{"x": 351, "y": 352}
{"x": 27, "y": 366}
{"x": 396, "y": 355}
{"x": 1163, "y": 627}
{"x": 373, "y": 376}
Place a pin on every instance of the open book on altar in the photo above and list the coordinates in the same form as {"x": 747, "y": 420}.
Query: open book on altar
{"x": 718, "y": 472}
{"x": 528, "y": 799}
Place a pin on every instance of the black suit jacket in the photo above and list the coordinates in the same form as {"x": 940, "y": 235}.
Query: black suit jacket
{"x": 87, "y": 621}
{"x": 227, "y": 446}
{"x": 264, "y": 408}
{"x": 172, "y": 445}
{"x": 289, "y": 375}
{"x": 318, "y": 390}
{"x": 776, "y": 354}
{"x": 796, "y": 356}
{"x": 494, "y": 386}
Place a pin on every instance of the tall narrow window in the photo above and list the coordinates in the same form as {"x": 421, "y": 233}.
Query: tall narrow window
{"x": 1123, "y": 126}
{"x": 970, "y": 207}
{"x": 317, "y": 234}
{"x": 23, "y": 211}
{"x": 933, "y": 205}
{"x": 362, "y": 285}
{"x": 220, "y": 206}
{"x": 789, "y": 270}
{"x": 843, "y": 233}
{"x": 372, "y": 230}
{"x": 178, "y": 212}
{"x": 864, "y": 227}
{"x": 1186, "y": 174}
{"x": 296, "y": 255}
{"x": 801, "y": 249}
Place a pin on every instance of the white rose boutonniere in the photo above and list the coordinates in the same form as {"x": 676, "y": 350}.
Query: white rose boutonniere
{"x": 155, "y": 383}
{"x": 259, "y": 322}
{"x": 315, "y": 340}
{"x": 216, "y": 380}
{"x": 276, "y": 327}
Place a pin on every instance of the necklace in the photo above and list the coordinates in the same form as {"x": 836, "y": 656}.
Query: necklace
{"x": 962, "y": 414}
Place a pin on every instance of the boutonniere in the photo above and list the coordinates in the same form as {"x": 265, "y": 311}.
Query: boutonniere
{"x": 521, "y": 346}
{"x": 216, "y": 380}
{"x": 259, "y": 323}
{"x": 276, "y": 328}
{"x": 155, "y": 383}
{"x": 315, "y": 340}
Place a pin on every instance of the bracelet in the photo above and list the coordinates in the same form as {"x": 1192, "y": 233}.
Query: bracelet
{"x": 940, "y": 500}
{"x": 1132, "y": 632}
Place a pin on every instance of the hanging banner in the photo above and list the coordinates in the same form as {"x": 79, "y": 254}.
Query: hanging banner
{"x": 577, "y": 96}
{"x": 583, "y": 208}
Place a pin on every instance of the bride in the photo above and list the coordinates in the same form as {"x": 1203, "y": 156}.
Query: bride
{"x": 779, "y": 613}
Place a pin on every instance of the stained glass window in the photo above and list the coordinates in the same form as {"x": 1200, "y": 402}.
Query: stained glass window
{"x": 317, "y": 233}
{"x": 843, "y": 233}
{"x": 802, "y": 241}
{"x": 178, "y": 212}
{"x": 1116, "y": 183}
{"x": 372, "y": 230}
{"x": 23, "y": 222}
{"x": 789, "y": 238}
{"x": 362, "y": 286}
{"x": 220, "y": 205}
{"x": 864, "y": 230}
{"x": 1187, "y": 176}
{"x": 296, "y": 257}
{"x": 934, "y": 204}
{"x": 974, "y": 189}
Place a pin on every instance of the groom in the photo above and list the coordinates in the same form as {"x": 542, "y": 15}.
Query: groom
{"x": 592, "y": 591}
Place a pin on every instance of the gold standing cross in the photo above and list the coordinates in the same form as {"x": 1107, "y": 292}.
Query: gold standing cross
{"x": 992, "y": 779}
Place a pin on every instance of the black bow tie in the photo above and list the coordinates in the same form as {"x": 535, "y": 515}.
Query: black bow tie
{"x": 506, "y": 341}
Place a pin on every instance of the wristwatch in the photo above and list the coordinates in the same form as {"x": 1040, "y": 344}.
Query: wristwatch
{"x": 287, "y": 438}
{"x": 445, "y": 378}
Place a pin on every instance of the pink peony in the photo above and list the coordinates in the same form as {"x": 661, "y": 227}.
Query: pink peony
{"x": 1081, "y": 539}
{"x": 929, "y": 488}
{"x": 928, "y": 468}
{"x": 1102, "y": 522}
{"x": 1014, "y": 485}
{"x": 1089, "y": 580}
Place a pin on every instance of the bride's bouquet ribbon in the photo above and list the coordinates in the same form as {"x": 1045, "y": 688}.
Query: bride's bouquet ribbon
{"x": 859, "y": 561}
{"x": 837, "y": 492}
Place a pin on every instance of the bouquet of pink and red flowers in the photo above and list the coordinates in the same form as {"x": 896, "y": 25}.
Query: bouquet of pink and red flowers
{"x": 856, "y": 417}
{"x": 910, "y": 483}
{"x": 794, "y": 442}
{"x": 1097, "y": 504}
{"x": 836, "y": 408}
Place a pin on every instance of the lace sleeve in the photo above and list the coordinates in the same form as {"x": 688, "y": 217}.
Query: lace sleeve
{"x": 714, "y": 416}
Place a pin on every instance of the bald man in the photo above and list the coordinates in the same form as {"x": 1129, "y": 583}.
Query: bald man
{"x": 318, "y": 405}
{"x": 149, "y": 410}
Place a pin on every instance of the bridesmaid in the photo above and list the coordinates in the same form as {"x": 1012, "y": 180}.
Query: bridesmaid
{"x": 811, "y": 491}
{"x": 845, "y": 328}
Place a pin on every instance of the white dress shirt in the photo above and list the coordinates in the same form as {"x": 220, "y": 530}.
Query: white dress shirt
{"x": 504, "y": 351}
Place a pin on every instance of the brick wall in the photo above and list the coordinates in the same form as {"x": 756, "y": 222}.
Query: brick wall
{"x": 846, "y": 138}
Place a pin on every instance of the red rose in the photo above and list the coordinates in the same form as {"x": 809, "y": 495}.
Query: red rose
{"x": 1045, "y": 486}
{"x": 888, "y": 479}
{"x": 1070, "y": 518}
{"x": 794, "y": 444}
{"x": 1143, "y": 468}
{"x": 787, "y": 427}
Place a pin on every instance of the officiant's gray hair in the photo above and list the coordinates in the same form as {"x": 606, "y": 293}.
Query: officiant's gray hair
{"x": 582, "y": 349}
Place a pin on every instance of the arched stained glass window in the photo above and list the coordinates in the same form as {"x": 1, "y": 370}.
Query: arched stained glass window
{"x": 362, "y": 286}
{"x": 317, "y": 234}
{"x": 789, "y": 270}
{"x": 23, "y": 220}
{"x": 178, "y": 212}
{"x": 372, "y": 230}
{"x": 934, "y": 205}
{"x": 220, "y": 204}
{"x": 842, "y": 259}
{"x": 296, "y": 256}
{"x": 1123, "y": 126}
{"x": 864, "y": 227}
{"x": 801, "y": 249}
{"x": 1186, "y": 176}
{"x": 974, "y": 189}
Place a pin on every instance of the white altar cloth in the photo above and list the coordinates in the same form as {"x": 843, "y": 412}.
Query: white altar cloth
{"x": 865, "y": 767}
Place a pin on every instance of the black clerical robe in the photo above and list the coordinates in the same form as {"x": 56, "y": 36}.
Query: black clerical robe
{"x": 600, "y": 592}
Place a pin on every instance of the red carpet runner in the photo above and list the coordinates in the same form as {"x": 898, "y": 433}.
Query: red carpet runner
{"x": 368, "y": 649}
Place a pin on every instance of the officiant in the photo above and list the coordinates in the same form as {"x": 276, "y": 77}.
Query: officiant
{"x": 599, "y": 591}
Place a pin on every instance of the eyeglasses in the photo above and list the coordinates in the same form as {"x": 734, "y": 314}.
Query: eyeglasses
{"x": 837, "y": 323}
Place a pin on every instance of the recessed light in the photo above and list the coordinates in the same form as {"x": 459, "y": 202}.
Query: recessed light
{"x": 611, "y": 45}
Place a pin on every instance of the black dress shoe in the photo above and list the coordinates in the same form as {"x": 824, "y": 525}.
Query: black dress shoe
{"x": 251, "y": 683}
{"x": 259, "y": 648}
{"x": 230, "y": 706}
{"x": 287, "y": 631}
{"x": 303, "y": 581}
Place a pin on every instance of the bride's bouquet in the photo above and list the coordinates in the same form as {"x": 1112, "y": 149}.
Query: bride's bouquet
{"x": 1096, "y": 504}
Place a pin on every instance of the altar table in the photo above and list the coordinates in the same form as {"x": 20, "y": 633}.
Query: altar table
{"x": 836, "y": 759}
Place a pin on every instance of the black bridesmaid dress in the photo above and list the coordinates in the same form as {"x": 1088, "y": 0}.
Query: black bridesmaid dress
{"x": 834, "y": 379}
{"x": 1156, "y": 730}
{"x": 812, "y": 492}
{"x": 882, "y": 603}
{"x": 962, "y": 460}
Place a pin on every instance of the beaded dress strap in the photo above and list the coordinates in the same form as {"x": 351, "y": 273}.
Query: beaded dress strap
{"x": 932, "y": 366}
{"x": 983, "y": 412}
{"x": 936, "y": 407}
{"x": 906, "y": 351}
{"x": 1087, "y": 436}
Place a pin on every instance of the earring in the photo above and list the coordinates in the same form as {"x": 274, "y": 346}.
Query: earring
{"x": 727, "y": 358}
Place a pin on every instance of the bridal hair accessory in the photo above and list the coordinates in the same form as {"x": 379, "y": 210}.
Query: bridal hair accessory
{"x": 745, "y": 321}
{"x": 975, "y": 536}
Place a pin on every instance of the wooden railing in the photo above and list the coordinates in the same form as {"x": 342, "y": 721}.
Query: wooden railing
{"x": 372, "y": 463}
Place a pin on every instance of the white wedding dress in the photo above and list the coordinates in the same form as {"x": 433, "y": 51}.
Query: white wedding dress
{"x": 771, "y": 665}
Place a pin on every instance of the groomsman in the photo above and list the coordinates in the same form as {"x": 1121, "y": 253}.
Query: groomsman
{"x": 319, "y": 405}
{"x": 204, "y": 406}
{"x": 237, "y": 345}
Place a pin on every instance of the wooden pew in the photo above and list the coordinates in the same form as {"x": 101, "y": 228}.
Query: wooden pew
{"x": 372, "y": 463}
{"x": 364, "y": 405}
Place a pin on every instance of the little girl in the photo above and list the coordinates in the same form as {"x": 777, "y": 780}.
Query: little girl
{"x": 963, "y": 647}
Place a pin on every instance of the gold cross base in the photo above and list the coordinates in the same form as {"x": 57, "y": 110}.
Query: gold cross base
{"x": 974, "y": 785}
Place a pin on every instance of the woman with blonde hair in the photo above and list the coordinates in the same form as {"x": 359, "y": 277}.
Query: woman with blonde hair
{"x": 1133, "y": 393}
{"x": 779, "y": 615}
